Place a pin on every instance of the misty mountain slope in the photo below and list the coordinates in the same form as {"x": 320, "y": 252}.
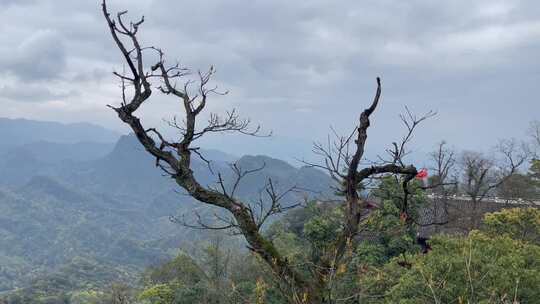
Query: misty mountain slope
{"x": 307, "y": 181}
{"x": 129, "y": 172}
{"x": 52, "y": 152}
{"x": 31, "y": 148}
{"x": 17, "y": 167}
{"x": 17, "y": 132}
{"x": 113, "y": 209}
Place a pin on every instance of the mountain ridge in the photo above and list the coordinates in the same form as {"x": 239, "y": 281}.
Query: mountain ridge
{"x": 114, "y": 207}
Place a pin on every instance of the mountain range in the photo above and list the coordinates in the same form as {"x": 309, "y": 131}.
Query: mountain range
{"x": 70, "y": 194}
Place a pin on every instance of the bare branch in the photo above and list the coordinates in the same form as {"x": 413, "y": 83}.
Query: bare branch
{"x": 482, "y": 175}
{"x": 411, "y": 122}
{"x": 200, "y": 224}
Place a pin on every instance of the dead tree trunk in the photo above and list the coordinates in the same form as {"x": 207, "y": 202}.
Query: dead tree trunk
{"x": 174, "y": 157}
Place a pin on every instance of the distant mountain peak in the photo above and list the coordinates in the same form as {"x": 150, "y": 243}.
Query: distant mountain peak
{"x": 253, "y": 161}
{"x": 127, "y": 143}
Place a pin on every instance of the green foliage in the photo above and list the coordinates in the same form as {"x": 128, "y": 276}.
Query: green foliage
{"x": 389, "y": 233}
{"x": 48, "y": 228}
{"x": 87, "y": 297}
{"x": 371, "y": 253}
{"x": 81, "y": 281}
{"x": 182, "y": 268}
{"x": 476, "y": 269}
{"x": 160, "y": 293}
{"x": 517, "y": 223}
{"x": 321, "y": 230}
{"x": 391, "y": 190}
{"x": 214, "y": 277}
{"x": 305, "y": 235}
{"x": 289, "y": 244}
{"x": 501, "y": 265}
{"x": 308, "y": 233}
{"x": 175, "y": 281}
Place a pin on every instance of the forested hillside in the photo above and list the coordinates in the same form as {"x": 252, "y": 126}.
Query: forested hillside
{"x": 109, "y": 210}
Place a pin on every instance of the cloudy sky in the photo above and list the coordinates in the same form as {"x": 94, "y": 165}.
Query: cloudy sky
{"x": 297, "y": 67}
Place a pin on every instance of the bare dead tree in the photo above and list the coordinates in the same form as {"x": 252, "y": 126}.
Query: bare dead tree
{"x": 411, "y": 121}
{"x": 514, "y": 185}
{"x": 442, "y": 183}
{"x": 482, "y": 175}
{"x": 343, "y": 159}
{"x": 174, "y": 157}
{"x": 444, "y": 161}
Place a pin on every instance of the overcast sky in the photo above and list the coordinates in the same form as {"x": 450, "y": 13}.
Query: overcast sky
{"x": 297, "y": 67}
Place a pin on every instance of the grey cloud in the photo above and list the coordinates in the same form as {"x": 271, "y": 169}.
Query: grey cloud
{"x": 32, "y": 93}
{"x": 289, "y": 44}
{"x": 311, "y": 64}
{"x": 92, "y": 75}
{"x": 39, "y": 56}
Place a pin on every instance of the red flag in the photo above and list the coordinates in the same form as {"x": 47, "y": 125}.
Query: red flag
{"x": 422, "y": 174}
